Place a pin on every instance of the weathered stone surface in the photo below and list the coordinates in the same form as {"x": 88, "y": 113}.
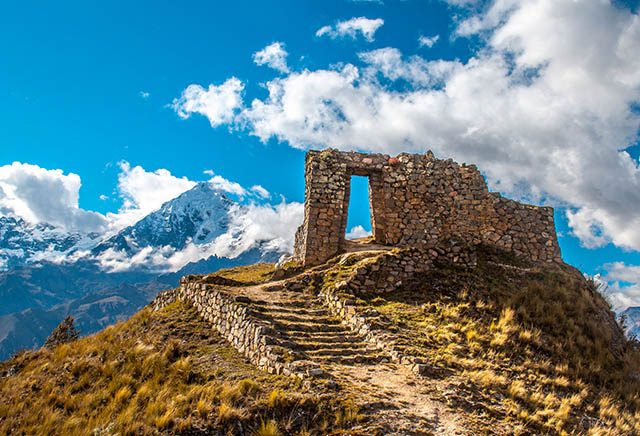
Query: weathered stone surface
{"x": 416, "y": 200}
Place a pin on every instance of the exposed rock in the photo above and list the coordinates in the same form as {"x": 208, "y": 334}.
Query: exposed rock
{"x": 65, "y": 332}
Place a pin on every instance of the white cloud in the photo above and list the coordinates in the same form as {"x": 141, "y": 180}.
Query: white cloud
{"x": 544, "y": 117}
{"x": 38, "y": 195}
{"x": 222, "y": 184}
{"x": 230, "y": 187}
{"x": 151, "y": 258}
{"x": 144, "y": 191}
{"x": 218, "y": 103}
{"x": 621, "y": 272}
{"x": 260, "y": 191}
{"x": 357, "y": 232}
{"x": 274, "y": 55}
{"x": 144, "y": 94}
{"x": 622, "y": 285}
{"x": 417, "y": 71}
{"x": 428, "y": 41}
{"x": 351, "y": 28}
{"x": 260, "y": 223}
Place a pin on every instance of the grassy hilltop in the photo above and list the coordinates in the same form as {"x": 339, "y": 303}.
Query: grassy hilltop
{"x": 511, "y": 349}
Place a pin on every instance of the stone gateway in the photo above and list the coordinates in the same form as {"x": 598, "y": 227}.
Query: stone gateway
{"x": 416, "y": 200}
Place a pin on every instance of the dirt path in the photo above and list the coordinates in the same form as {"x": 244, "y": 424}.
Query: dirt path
{"x": 395, "y": 399}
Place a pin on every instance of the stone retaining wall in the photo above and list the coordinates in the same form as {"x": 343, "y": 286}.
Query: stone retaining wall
{"x": 233, "y": 319}
{"x": 360, "y": 321}
{"x": 400, "y": 267}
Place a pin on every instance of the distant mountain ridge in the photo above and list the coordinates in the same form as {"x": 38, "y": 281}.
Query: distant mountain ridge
{"x": 47, "y": 273}
{"x": 632, "y": 321}
{"x": 22, "y": 243}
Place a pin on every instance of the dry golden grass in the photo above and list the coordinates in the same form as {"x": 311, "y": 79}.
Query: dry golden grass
{"x": 160, "y": 371}
{"x": 250, "y": 274}
{"x": 536, "y": 350}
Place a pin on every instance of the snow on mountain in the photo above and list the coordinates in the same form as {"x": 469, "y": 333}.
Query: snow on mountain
{"x": 196, "y": 225}
{"x": 200, "y": 223}
{"x": 198, "y": 215}
{"x": 23, "y": 243}
{"x": 632, "y": 321}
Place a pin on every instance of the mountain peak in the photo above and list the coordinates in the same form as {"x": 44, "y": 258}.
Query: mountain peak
{"x": 199, "y": 215}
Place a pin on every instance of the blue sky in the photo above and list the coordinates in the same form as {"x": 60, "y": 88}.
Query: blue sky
{"x": 86, "y": 85}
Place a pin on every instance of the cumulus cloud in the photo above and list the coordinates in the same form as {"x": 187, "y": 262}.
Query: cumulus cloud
{"x": 218, "y": 103}
{"x": 548, "y": 119}
{"x": 390, "y": 64}
{"x": 261, "y": 223}
{"x": 36, "y": 194}
{"x": 235, "y": 188}
{"x": 357, "y": 232}
{"x": 351, "y": 28}
{"x": 274, "y": 55}
{"x": 222, "y": 184}
{"x": 621, "y": 285}
{"x": 428, "y": 41}
{"x": 143, "y": 192}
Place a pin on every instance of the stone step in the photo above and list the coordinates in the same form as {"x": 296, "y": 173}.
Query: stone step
{"x": 291, "y": 310}
{"x": 327, "y": 337}
{"x": 297, "y": 318}
{"x": 311, "y": 344}
{"x": 294, "y": 304}
{"x": 350, "y": 360}
{"x": 308, "y": 346}
{"x": 341, "y": 352}
{"x": 294, "y": 327}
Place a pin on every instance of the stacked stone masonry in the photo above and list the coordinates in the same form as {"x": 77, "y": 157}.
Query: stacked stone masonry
{"x": 416, "y": 200}
{"x": 232, "y": 317}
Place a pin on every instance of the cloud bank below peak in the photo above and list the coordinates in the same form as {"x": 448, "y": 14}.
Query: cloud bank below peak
{"x": 547, "y": 119}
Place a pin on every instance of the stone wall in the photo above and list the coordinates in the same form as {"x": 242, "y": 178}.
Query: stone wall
{"x": 232, "y": 317}
{"x": 402, "y": 267}
{"x": 416, "y": 200}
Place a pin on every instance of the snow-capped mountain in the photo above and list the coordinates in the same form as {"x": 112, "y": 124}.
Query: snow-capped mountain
{"x": 198, "y": 215}
{"x": 632, "y": 321}
{"x": 22, "y": 243}
{"x": 47, "y": 273}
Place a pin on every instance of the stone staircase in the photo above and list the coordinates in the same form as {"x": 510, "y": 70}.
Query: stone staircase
{"x": 303, "y": 326}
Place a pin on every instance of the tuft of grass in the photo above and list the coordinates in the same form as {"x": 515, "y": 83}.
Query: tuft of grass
{"x": 250, "y": 274}
{"x": 267, "y": 428}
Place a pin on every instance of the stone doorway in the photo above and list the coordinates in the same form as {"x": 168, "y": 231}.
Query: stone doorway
{"x": 359, "y": 209}
{"x": 375, "y": 200}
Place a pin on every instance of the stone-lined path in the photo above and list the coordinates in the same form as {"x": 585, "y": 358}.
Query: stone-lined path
{"x": 394, "y": 398}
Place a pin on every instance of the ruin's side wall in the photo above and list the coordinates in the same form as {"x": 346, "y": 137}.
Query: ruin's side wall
{"x": 417, "y": 200}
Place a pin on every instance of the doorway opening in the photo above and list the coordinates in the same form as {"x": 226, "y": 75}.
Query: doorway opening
{"x": 359, "y": 223}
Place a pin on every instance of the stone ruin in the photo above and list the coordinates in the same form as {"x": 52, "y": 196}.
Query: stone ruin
{"x": 417, "y": 201}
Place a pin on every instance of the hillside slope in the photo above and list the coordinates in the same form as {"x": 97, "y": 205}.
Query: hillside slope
{"x": 501, "y": 348}
{"x": 47, "y": 273}
{"x": 162, "y": 371}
